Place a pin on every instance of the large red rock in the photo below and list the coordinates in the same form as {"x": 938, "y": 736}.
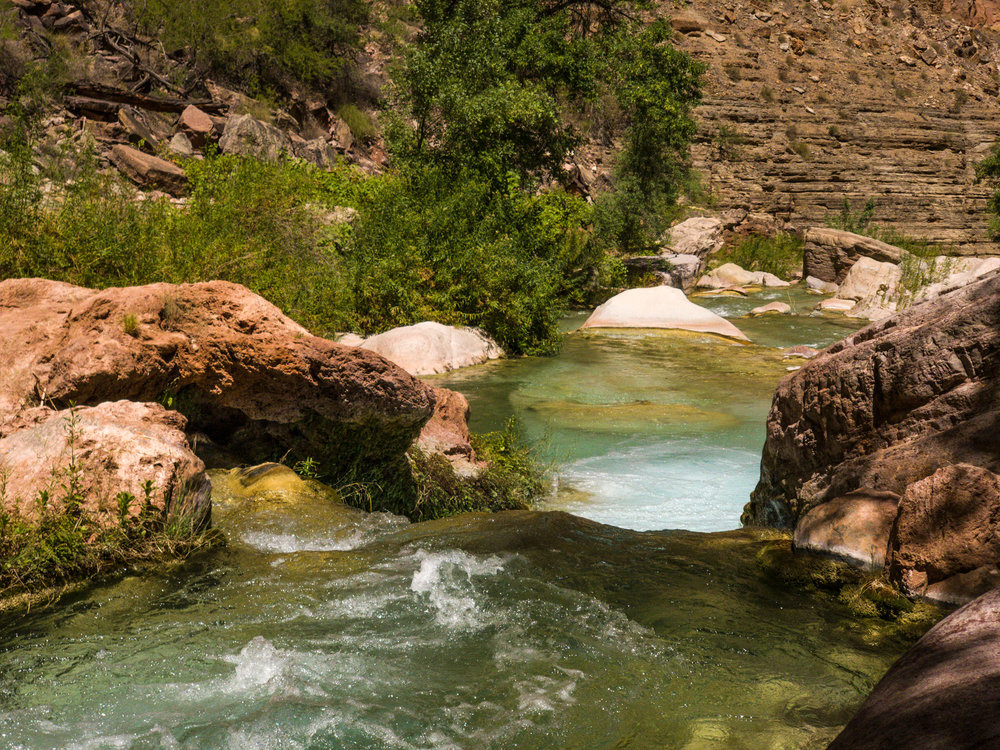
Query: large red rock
{"x": 886, "y": 407}
{"x": 242, "y": 372}
{"x": 110, "y": 448}
{"x": 942, "y": 694}
{"x": 948, "y": 525}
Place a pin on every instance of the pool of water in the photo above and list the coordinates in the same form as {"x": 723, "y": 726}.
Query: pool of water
{"x": 652, "y": 430}
{"x": 321, "y": 627}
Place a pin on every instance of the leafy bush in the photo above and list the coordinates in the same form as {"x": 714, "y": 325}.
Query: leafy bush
{"x": 255, "y": 44}
{"x": 362, "y": 126}
{"x": 513, "y": 479}
{"x": 780, "y": 254}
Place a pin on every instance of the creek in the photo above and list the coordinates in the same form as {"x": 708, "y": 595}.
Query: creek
{"x": 319, "y": 626}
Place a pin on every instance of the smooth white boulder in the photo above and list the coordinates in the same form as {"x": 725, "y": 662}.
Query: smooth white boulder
{"x": 772, "y": 308}
{"x": 430, "y": 348}
{"x": 660, "y": 307}
{"x": 731, "y": 274}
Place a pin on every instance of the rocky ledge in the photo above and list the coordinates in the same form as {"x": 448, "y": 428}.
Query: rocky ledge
{"x": 896, "y": 423}
{"x": 247, "y": 379}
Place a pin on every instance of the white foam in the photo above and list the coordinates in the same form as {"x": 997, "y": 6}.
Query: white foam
{"x": 445, "y": 578}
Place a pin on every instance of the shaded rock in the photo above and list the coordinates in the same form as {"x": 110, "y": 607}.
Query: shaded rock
{"x": 678, "y": 271}
{"x": 117, "y": 447}
{"x": 247, "y": 136}
{"x": 818, "y": 285}
{"x": 854, "y": 527}
{"x": 699, "y": 235}
{"x": 772, "y": 308}
{"x": 731, "y": 275}
{"x": 317, "y": 151}
{"x": 447, "y": 432}
{"x": 196, "y": 125}
{"x": 136, "y": 126}
{"x": 886, "y": 407}
{"x": 659, "y": 307}
{"x": 254, "y": 381}
{"x": 942, "y": 694}
{"x": 948, "y": 524}
{"x": 148, "y": 171}
{"x": 429, "y": 348}
{"x": 830, "y": 253}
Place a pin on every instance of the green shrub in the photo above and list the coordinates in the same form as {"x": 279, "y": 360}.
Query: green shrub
{"x": 362, "y": 126}
{"x": 513, "y": 479}
{"x": 780, "y": 254}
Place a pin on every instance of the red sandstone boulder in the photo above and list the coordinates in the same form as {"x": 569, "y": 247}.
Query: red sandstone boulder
{"x": 196, "y": 125}
{"x": 948, "y": 525}
{"x": 447, "y": 432}
{"x": 886, "y": 407}
{"x": 113, "y": 447}
{"x": 943, "y": 694}
{"x": 243, "y": 373}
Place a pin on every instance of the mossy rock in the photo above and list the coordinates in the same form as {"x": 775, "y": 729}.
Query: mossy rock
{"x": 779, "y": 561}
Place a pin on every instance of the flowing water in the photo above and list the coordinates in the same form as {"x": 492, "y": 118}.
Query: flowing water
{"x": 323, "y": 627}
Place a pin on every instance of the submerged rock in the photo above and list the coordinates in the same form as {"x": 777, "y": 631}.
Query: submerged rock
{"x": 249, "y": 377}
{"x": 430, "y": 348}
{"x": 942, "y": 694}
{"x": 660, "y": 307}
{"x": 115, "y": 447}
{"x": 772, "y": 308}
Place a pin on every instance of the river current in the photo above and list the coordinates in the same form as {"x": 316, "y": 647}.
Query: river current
{"x": 324, "y": 627}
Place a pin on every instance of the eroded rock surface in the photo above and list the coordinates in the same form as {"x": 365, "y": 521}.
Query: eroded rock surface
{"x": 853, "y": 527}
{"x": 886, "y": 407}
{"x": 242, "y": 372}
{"x": 110, "y": 448}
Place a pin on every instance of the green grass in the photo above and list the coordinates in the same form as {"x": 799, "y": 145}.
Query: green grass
{"x": 780, "y": 254}
{"x": 512, "y": 480}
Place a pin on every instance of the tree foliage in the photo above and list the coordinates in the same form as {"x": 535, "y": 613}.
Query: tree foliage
{"x": 494, "y": 85}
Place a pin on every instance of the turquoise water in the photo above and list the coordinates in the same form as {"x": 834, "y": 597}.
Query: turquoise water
{"x": 323, "y": 627}
{"x": 652, "y": 430}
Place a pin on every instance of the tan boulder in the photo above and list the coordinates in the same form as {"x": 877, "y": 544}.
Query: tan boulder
{"x": 876, "y": 288}
{"x": 836, "y": 305}
{"x": 196, "y": 125}
{"x": 110, "y": 448}
{"x": 699, "y": 235}
{"x": 247, "y": 136}
{"x": 148, "y": 171}
{"x": 830, "y": 253}
{"x": 245, "y": 375}
{"x": 854, "y": 527}
{"x": 660, "y": 307}
{"x": 732, "y": 275}
{"x": 772, "y": 308}
{"x": 948, "y": 525}
{"x": 430, "y": 348}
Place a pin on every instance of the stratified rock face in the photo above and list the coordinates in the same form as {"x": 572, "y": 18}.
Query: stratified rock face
{"x": 807, "y": 105}
{"x": 948, "y": 525}
{"x": 430, "y": 348}
{"x": 942, "y": 694}
{"x": 115, "y": 447}
{"x": 830, "y": 253}
{"x": 659, "y": 307}
{"x": 886, "y": 407}
{"x": 241, "y": 371}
